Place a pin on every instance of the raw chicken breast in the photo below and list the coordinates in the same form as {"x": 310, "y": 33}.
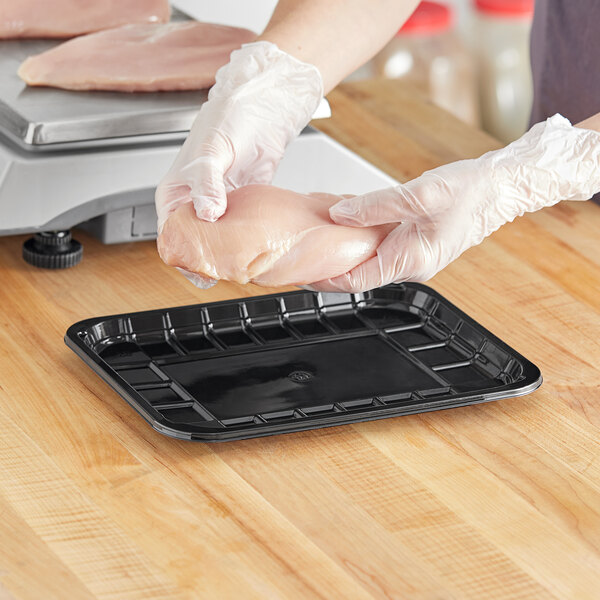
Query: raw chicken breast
{"x": 68, "y": 18}
{"x": 138, "y": 58}
{"x": 268, "y": 236}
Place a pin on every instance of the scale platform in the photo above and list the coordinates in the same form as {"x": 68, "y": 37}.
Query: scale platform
{"x": 39, "y": 118}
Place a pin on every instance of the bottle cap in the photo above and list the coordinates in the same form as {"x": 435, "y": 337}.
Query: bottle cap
{"x": 506, "y": 8}
{"x": 428, "y": 18}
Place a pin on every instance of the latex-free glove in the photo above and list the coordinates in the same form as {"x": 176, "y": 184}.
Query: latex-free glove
{"x": 261, "y": 100}
{"x": 447, "y": 210}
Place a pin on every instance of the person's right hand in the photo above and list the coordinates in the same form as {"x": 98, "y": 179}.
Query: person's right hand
{"x": 261, "y": 100}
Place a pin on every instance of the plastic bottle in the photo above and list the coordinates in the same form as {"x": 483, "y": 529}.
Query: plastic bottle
{"x": 505, "y": 83}
{"x": 428, "y": 53}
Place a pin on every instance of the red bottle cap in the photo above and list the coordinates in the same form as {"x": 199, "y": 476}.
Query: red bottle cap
{"x": 506, "y": 8}
{"x": 429, "y": 17}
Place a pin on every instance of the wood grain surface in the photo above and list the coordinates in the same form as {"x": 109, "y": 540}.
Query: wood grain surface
{"x": 495, "y": 501}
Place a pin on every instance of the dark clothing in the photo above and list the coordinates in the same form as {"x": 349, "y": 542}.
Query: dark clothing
{"x": 565, "y": 59}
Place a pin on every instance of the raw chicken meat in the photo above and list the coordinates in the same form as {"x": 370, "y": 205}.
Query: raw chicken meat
{"x": 67, "y": 18}
{"x": 268, "y": 236}
{"x": 138, "y": 58}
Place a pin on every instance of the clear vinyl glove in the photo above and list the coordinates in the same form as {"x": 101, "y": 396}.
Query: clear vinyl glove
{"x": 261, "y": 100}
{"x": 447, "y": 210}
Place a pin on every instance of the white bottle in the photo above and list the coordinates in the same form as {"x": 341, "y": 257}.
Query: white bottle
{"x": 428, "y": 54}
{"x": 505, "y": 83}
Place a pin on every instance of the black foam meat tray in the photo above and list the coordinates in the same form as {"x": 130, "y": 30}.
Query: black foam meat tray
{"x": 299, "y": 360}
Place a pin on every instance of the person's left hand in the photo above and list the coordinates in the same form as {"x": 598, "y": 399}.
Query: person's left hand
{"x": 449, "y": 209}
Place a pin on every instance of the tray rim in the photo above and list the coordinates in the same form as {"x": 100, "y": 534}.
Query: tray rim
{"x": 532, "y": 380}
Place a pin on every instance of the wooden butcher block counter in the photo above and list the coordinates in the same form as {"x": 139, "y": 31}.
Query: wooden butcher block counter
{"x": 498, "y": 500}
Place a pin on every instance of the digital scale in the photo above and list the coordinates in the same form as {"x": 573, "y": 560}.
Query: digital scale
{"x": 94, "y": 159}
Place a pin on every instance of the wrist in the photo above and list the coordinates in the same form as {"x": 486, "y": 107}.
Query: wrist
{"x": 590, "y": 123}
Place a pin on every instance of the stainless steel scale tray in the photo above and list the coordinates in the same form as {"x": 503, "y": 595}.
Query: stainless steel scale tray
{"x": 37, "y": 118}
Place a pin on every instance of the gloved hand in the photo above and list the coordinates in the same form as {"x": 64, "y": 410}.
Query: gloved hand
{"x": 261, "y": 100}
{"x": 447, "y": 210}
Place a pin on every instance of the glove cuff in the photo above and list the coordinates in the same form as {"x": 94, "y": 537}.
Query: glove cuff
{"x": 553, "y": 161}
{"x": 293, "y": 89}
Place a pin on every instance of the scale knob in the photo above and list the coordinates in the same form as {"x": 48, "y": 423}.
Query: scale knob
{"x": 52, "y": 250}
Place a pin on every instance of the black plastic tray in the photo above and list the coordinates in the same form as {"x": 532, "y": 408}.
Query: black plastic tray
{"x": 300, "y": 360}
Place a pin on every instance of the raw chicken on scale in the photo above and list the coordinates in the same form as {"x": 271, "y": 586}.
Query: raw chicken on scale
{"x": 138, "y": 58}
{"x": 68, "y": 18}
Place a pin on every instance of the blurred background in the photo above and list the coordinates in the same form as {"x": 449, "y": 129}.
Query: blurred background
{"x": 471, "y": 57}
